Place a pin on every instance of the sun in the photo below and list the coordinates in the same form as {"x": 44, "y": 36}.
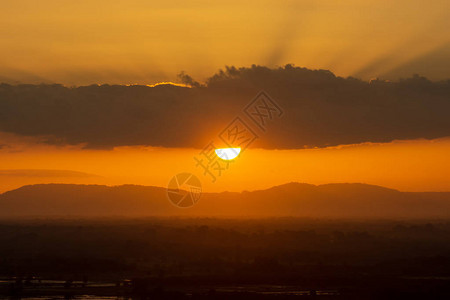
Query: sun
{"x": 228, "y": 153}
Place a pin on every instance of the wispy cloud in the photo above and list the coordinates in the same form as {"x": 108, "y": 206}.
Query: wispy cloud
{"x": 44, "y": 173}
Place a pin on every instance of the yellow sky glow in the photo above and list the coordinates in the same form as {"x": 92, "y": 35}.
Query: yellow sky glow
{"x": 137, "y": 41}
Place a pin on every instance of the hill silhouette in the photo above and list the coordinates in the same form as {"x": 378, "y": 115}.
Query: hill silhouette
{"x": 292, "y": 199}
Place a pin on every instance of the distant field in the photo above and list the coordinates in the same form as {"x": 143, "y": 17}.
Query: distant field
{"x": 226, "y": 255}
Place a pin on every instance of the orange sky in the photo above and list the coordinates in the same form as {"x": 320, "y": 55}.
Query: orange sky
{"x": 140, "y": 41}
{"x": 405, "y": 165}
{"x": 144, "y": 42}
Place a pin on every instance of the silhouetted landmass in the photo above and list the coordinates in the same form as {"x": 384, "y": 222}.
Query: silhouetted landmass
{"x": 320, "y": 109}
{"x": 378, "y": 243}
{"x": 294, "y": 199}
{"x": 208, "y": 258}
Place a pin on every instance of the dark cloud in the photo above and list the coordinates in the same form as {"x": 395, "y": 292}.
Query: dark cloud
{"x": 320, "y": 110}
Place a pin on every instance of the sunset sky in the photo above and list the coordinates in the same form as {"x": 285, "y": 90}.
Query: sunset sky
{"x": 239, "y": 149}
{"x": 317, "y": 59}
{"x": 404, "y": 165}
{"x": 139, "y": 41}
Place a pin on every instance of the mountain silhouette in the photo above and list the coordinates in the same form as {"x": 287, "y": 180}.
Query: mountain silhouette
{"x": 292, "y": 199}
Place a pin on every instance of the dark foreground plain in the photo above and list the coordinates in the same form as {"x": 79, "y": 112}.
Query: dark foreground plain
{"x": 219, "y": 258}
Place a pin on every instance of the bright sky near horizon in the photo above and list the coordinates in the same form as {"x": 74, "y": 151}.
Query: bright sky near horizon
{"x": 137, "y": 41}
{"x": 420, "y": 165}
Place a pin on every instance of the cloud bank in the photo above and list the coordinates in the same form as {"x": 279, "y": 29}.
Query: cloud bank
{"x": 320, "y": 109}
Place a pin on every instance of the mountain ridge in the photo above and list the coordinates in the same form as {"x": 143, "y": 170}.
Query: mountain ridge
{"x": 346, "y": 200}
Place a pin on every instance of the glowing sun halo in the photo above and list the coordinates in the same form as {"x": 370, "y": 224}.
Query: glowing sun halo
{"x": 228, "y": 153}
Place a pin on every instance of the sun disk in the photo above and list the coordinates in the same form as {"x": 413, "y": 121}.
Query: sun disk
{"x": 228, "y": 153}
